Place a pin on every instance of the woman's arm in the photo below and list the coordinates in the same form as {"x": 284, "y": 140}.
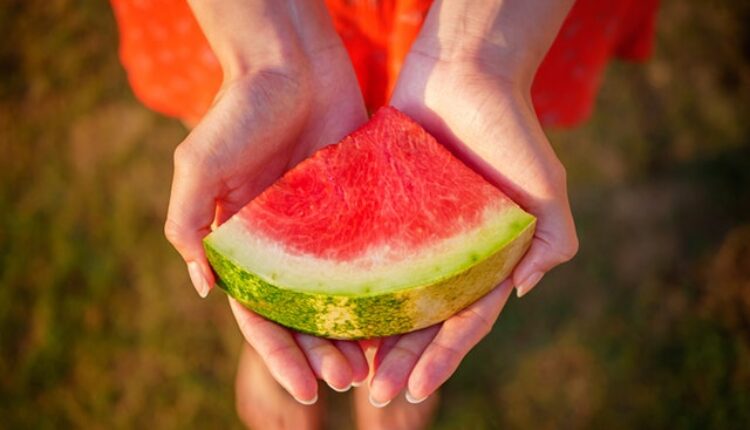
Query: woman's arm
{"x": 505, "y": 38}
{"x": 288, "y": 89}
{"x": 468, "y": 80}
{"x": 251, "y": 34}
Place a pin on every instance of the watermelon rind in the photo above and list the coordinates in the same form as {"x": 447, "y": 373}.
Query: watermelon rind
{"x": 367, "y": 303}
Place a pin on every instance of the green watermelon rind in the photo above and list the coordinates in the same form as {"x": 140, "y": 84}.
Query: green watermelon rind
{"x": 367, "y": 315}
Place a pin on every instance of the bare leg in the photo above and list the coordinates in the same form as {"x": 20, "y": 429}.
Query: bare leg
{"x": 398, "y": 415}
{"x": 262, "y": 404}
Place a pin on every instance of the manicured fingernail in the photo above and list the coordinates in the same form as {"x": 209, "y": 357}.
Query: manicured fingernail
{"x": 378, "y": 404}
{"x": 341, "y": 390}
{"x": 413, "y": 400}
{"x": 359, "y": 383}
{"x": 197, "y": 278}
{"x": 308, "y": 402}
{"x": 526, "y": 286}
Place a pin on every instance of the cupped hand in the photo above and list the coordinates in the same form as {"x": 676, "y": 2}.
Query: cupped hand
{"x": 261, "y": 124}
{"x": 488, "y": 120}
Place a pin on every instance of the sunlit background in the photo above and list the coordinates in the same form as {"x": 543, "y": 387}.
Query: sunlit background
{"x": 649, "y": 327}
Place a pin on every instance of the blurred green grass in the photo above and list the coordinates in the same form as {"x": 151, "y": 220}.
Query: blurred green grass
{"x": 649, "y": 327}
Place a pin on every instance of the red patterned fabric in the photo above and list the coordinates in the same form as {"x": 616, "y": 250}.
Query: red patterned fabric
{"x": 172, "y": 69}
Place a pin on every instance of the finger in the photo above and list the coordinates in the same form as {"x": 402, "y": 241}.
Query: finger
{"x": 328, "y": 363}
{"x": 356, "y": 358}
{"x": 396, "y": 363}
{"x": 554, "y": 243}
{"x": 382, "y": 348}
{"x": 191, "y": 211}
{"x": 276, "y": 346}
{"x": 457, "y": 336}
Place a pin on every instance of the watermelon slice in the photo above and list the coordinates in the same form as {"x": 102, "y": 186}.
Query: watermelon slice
{"x": 383, "y": 233}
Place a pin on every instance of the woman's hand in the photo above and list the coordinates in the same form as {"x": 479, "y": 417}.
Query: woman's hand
{"x": 289, "y": 89}
{"x": 467, "y": 80}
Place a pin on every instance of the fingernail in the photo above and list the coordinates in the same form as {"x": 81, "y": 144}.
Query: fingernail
{"x": 526, "y": 286}
{"x": 359, "y": 383}
{"x": 197, "y": 278}
{"x": 308, "y": 402}
{"x": 413, "y": 400}
{"x": 341, "y": 390}
{"x": 378, "y": 404}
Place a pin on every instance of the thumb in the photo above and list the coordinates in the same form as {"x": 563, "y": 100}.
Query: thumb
{"x": 192, "y": 206}
{"x": 554, "y": 243}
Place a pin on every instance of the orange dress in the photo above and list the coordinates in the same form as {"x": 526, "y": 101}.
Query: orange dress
{"x": 172, "y": 69}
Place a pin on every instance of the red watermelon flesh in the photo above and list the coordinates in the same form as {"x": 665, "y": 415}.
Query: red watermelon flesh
{"x": 384, "y": 232}
{"x": 389, "y": 183}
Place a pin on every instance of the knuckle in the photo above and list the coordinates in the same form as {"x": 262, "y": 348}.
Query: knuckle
{"x": 171, "y": 231}
{"x": 278, "y": 353}
{"x": 320, "y": 349}
{"x": 194, "y": 159}
{"x": 483, "y": 324}
{"x": 185, "y": 155}
{"x": 404, "y": 352}
{"x": 182, "y": 153}
{"x": 484, "y": 329}
{"x": 570, "y": 249}
{"x": 451, "y": 354}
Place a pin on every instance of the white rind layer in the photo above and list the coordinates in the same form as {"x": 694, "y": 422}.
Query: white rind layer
{"x": 380, "y": 270}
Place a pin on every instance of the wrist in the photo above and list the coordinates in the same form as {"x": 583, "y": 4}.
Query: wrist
{"x": 507, "y": 39}
{"x": 250, "y": 36}
{"x": 240, "y": 62}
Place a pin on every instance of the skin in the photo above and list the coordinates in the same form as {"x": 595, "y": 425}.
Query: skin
{"x": 290, "y": 89}
{"x": 467, "y": 60}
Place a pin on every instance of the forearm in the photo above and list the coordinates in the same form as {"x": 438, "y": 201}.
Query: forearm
{"x": 506, "y": 37}
{"x": 253, "y": 34}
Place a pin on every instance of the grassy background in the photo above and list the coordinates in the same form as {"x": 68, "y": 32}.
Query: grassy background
{"x": 649, "y": 327}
